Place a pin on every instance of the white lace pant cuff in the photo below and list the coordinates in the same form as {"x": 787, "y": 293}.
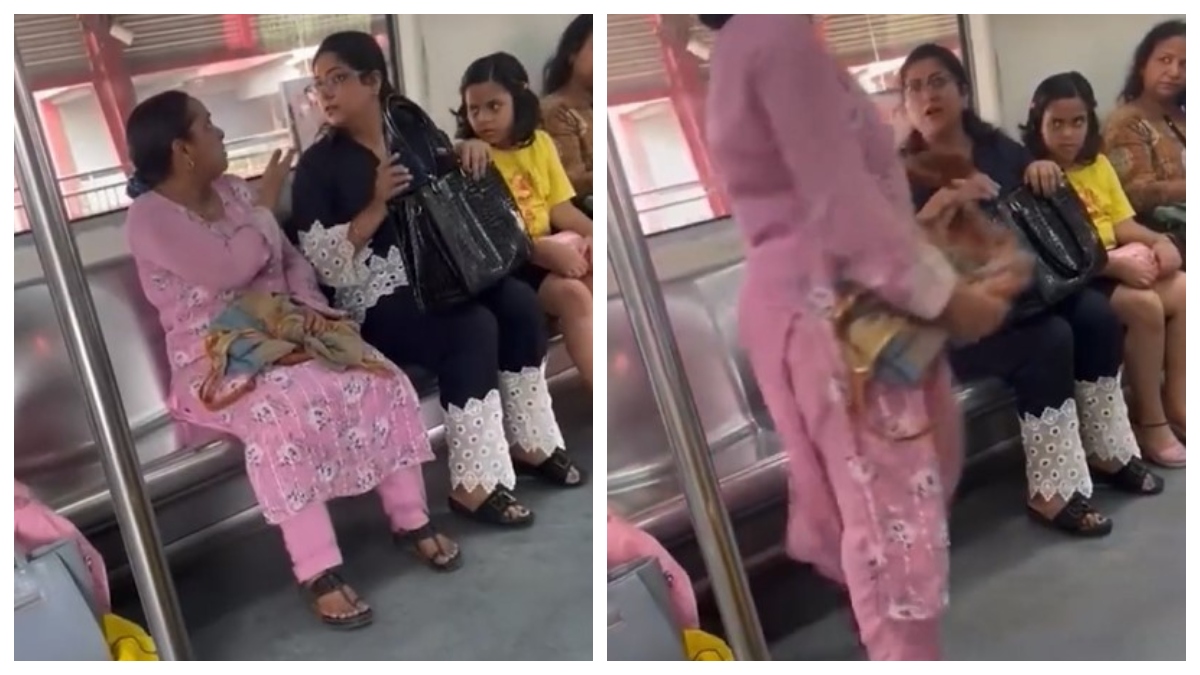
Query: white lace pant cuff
{"x": 1104, "y": 420}
{"x": 478, "y": 449}
{"x": 1055, "y": 464}
{"x": 528, "y": 411}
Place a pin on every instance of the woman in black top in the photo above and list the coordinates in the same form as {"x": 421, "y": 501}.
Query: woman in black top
{"x": 1062, "y": 365}
{"x": 487, "y": 354}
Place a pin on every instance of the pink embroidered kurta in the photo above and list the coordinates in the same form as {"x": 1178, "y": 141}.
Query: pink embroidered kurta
{"x": 311, "y": 434}
{"x": 820, "y": 196}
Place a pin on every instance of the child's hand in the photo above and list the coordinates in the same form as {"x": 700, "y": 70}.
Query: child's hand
{"x": 586, "y": 250}
{"x": 1044, "y": 177}
{"x": 1135, "y": 271}
{"x": 474, "y": 155}
{"x": 1167, "y": 253}
{"x": 565, "y": 260}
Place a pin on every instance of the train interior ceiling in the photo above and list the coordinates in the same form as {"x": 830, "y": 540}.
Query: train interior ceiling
{"x": 1017, "y": 592}
{"x": 520, "y": 595}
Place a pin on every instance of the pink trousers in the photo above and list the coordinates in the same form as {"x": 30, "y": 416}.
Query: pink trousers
{"x": 312, "y": 543}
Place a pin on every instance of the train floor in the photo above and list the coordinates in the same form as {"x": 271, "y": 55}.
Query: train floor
{"x": 1020, "y": 592}
{"x": 524, "y": 594}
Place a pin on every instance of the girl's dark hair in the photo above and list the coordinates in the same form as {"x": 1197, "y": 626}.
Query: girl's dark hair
{"x": 973, "y": 124}
{"x": 559, "y": 68}
{"x": 1134, "y": 83}
{"x": 1056, "y": 88}
{"x": 714, "y": 21}
{"x": 505, "y": 70}
{"x": 362, "y": 53}
{"x": 151, "y": 130}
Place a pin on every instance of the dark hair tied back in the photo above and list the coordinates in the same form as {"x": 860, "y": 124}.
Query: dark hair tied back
{"x": 714, "y": 21}
{"x": 360, "y": 52}
{"x": 1134, "y": 83}
{"x": 560, "y": 67}
{"x": 974, "y": 125}
{"x": 151, "y": 131}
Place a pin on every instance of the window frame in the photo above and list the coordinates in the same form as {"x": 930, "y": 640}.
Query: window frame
{"x": 964, "y": 39}
{"x": 395, "y": 62}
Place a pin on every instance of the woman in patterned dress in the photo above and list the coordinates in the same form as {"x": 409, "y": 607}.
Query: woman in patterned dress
{"x": 199, "y": 238}
{"x": 821, "y": 198}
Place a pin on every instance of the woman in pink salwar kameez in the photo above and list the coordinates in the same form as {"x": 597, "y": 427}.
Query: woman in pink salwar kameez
{"x": 201, "y": 238}
{"x": 821, "y": 198}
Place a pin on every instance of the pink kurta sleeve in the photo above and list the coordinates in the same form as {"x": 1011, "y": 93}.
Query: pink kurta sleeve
{"x": 167, "y": 237}
{"x": 815, "y": 116}
{"x": 301, "y": 278}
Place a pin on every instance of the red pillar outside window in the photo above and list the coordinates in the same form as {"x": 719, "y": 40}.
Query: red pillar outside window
{"x": 239, "y": 33}
{"x": 111, "y": 80}
{"x": 687, "y": 92}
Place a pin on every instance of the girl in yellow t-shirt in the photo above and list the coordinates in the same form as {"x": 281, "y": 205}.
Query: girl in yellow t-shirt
{"x": 1144, "y": 276}
{"x": 499, "y": 108}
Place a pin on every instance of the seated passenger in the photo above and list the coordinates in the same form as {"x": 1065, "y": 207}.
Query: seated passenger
{"x": 1142, "y": 278}
{"x": 498, "y": 107}
{"x": 1145, "y": 137}
{"x": 567, "y": 106}
{"x": 1062, "y": 365}
{"x": 200, "y": 239}
{"x": 488, "y": 354}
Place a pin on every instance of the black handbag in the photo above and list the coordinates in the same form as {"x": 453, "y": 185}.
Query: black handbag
{"x": 458, "y": 235}
{"x": 1059, "y": 233}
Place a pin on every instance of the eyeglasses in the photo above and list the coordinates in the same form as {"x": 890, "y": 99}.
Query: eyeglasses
{"x": 933, "y": 83}
{"x": 331, "y": 84}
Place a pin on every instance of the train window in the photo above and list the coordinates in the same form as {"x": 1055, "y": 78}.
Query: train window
{"x": 657, "y": 78}
{"x": 87, "y": 71}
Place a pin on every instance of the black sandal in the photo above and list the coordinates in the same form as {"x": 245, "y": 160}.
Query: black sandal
{"x": 1135, "y": 478}
{"x": 555, "y": 470}
{"x": 495, "y": 509}
{"x": 441, "y": 561}
{"x": 330, "y": 582}
{"x": 1077, "y": 519}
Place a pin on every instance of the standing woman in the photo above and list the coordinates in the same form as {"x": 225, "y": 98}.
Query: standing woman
{"x": 567, "y": 105}
{"x": 488, "y": 354}
{"x": 821, "y": 198}
{"x": 1144, "y": 138}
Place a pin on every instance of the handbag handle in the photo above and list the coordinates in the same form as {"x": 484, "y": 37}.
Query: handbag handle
{"x": 1027, "y": 206}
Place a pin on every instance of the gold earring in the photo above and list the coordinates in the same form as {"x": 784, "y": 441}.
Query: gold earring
{"x": 191, "y": 163}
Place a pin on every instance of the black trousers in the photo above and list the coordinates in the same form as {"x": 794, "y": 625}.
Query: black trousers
{"x": 465, "y": 347}
{"x": 1042, "y": 358}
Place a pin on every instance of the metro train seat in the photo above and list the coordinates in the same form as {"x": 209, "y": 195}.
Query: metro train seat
{"x": 192, "y": 475}
{"x": 643, "y": 483}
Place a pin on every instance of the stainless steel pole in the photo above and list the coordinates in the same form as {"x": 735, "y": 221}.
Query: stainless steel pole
{"x": 652, "y": 330}
{"x": 85, "y": 343}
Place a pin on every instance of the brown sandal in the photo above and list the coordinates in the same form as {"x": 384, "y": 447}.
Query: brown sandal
{"x": 442, "y": 560}
{"x": 330, "y": 582}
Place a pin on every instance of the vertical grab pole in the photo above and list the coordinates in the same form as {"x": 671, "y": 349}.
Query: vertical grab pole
{"x": 652, "y": 330}
{"x": 80, "y": 325}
